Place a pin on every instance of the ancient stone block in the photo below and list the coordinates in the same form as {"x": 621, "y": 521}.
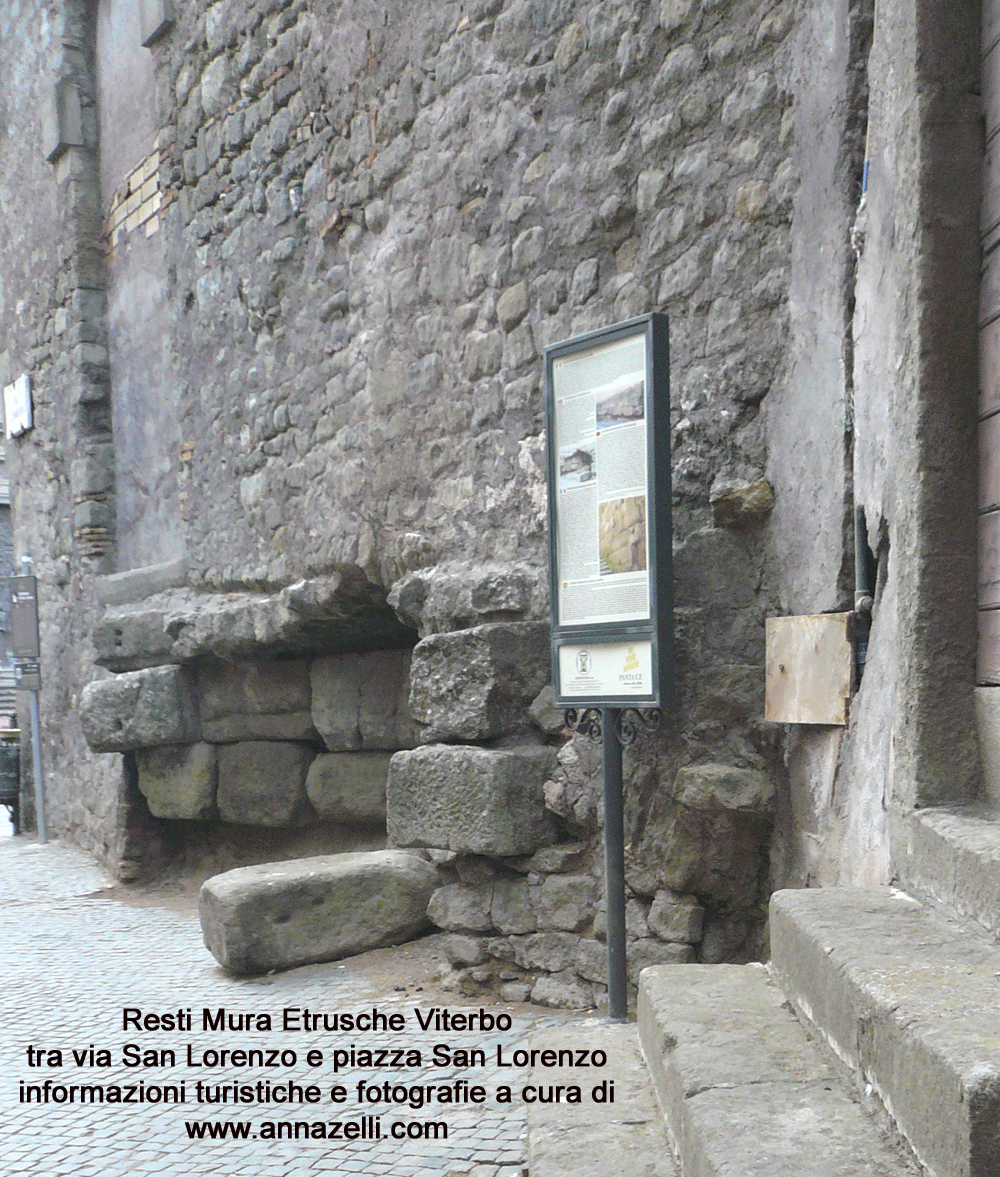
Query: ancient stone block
{"x": 512, "y": 305}
{"x": 178, "y": 781}
{"x": 259, "y": 700}
{"x": 721, "y": 786}
{"x": 458, "y": 908}
{"x": 709, "y": 839}
{"x": 473, "y": 800}
{"x": 284, "y": 914}
{"x": 643, "y": 953}
{"x": 574, "y": 792}
{"x": 554, "y": 860}
{"x": 327, "y": 611}
{"x": 563, "y": 991}
{"x": 636, "y": 918}
{"x": 464, "y": 951}
{"x": 478, "y": 683}
{"x": 592, "y": 961}
{"x": 551, "y": 951}
{"x": 571, "y": 44}
{"x": 726, "y": 693}
{"x": 145, "y": 709}
{"x": 545, "y": 715}
{"x": 474, "y": 869}
{"x": 361, "y": 700}
{"x": 349, "y": 786}
{"x": 676, "y": 917}
{"x": 565, "y": 902}
{"x": 511, "y": 911}
{"x": 263, "y": 783}
{"x": 132, "y": 641}
{"x": 62, "y": 124}
{"x": 741, "y": 504}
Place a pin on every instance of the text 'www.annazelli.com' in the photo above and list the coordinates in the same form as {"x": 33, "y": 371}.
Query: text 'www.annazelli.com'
{"x": 363, "y": 1128}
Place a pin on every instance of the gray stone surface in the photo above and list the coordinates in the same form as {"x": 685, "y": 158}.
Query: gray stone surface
{"x": 709, "y": 838}
{"x": 133, "y": 640}
{"x": 465, "y": 951}
{"x": 512, "y": 912}
{"x": 738, "y": 504}
{"x": 574, "y": 790}
{"x": 349, "y": 786}
{"x": 644, "y": 953}
{"x": 285, "y": 914}
{"x": 340, "y": 397}
{"x": 567, "y": 856}
{"x": 675, "y": 918}
{"x": 952, "y": 855}
{"x": 562, "y": 990}
{"x": 263, "y": 783}
{"x": 259, "y": 700}
{"x": 472, "y": 800}
{"x": 178, "y": 781}
{"x": 362, "y": 700}
{"x": 565, "y": 902}
{"x": 742, "y": 1088}
{"x": 454, "y": 595}
{"x": 552, "y": 951}
{"x": 545, "y": 715}
{"x": 590, "y": 1140}
{"x": 592, "y": 961}
{"x": 457, "y": 907}
{"x": 145, "y": 709}
{"x": 478, "y": 683}
{"x": 908, "y": 1000}
{"x": 720, "y": 786}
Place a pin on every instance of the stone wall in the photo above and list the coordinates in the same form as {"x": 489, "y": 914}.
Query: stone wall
{"x": 361, "y": 223}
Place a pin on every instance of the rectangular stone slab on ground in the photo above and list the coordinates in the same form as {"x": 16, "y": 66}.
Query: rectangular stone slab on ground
{"x": 284, "y": 914}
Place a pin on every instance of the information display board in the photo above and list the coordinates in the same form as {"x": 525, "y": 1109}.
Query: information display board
{"x": 610, "y": 533}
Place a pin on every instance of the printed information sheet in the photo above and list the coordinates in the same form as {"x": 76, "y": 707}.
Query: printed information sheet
{"x": 601, "y": 511}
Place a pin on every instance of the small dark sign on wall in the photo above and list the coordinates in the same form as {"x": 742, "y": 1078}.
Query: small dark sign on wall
{"x": 610, "y": 533}
{"x": 24, "y": 617}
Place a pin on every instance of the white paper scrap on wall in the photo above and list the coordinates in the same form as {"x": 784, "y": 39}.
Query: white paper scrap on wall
{"x": 17, "y": 406}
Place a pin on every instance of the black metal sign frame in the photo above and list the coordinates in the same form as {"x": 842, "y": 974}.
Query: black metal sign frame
{"x": 620, "y": 653}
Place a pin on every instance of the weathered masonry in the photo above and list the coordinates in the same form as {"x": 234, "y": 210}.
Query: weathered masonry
{"x": 281, "y": 273}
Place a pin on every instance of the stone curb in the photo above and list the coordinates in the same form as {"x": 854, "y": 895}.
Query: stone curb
{"x": 591, "y": 1139}
{"x": 953, "y": 856}
{"x": 744, "y": 1091}
{"x": 909, "y": 1002}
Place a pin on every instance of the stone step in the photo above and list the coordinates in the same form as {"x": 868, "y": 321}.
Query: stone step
{"x": 744, "y": 1091}
{"x": 952, "y": 855}
{"x": 594, "y": 1139}
{"x": 911, "y": 1002}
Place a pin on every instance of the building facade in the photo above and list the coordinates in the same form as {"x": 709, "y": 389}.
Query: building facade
{"x": 281, "y": 274}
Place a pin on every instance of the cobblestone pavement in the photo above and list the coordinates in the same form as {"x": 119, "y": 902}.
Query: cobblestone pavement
{"x": 70, "y": 960}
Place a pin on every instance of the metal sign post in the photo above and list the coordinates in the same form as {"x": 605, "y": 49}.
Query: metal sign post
{"x": 610, "y": 561}
{"x": 27, "y": 671}
{"x": 614, "y": 864}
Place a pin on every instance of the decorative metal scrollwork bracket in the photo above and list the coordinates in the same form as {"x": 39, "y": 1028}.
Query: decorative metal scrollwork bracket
{"x": 630, "y": 722}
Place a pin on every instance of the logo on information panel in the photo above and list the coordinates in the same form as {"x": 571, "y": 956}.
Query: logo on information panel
{"x": 631, "y": 671}
{"x": 583, "y": 662}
